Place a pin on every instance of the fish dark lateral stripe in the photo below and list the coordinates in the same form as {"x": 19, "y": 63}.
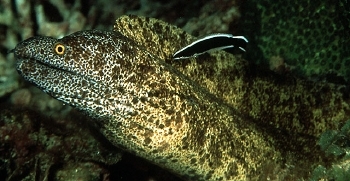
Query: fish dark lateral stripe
{"x": 210, "y": 42}
{"x": 215, "y": 118}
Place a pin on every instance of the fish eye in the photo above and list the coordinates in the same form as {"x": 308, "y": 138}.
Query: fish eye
{"x": 59, "y": 48}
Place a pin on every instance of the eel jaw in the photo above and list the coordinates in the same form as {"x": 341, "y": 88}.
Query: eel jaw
{"x": 25, "y": 59}
{"x": 53, "y": 80}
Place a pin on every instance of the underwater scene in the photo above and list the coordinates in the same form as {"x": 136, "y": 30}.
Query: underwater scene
{"x": 153, "y": 90}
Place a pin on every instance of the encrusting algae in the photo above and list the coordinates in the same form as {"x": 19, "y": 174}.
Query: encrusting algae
{"x": 214, "y": 117}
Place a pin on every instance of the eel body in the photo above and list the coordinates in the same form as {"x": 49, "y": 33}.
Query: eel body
{"x": 210, "y": 118}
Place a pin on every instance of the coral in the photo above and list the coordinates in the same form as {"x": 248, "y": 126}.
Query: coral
{"x": 82, "y": 171}
{"x": 344, "y": 13}
{"x": 8, "y": 76}
{"x": 337, "y": 144}
{"x": 278, "y": 64}
{"x": 33, "y": 146}
{"x": 21, "y": 97}
{"x": 311, "y": 35}
{"x": 17, "y": 24}
{"x": 35, "y": 99}
{"x": 215, "y": 16}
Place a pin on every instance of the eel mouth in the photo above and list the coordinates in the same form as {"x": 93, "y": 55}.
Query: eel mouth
{"x": 29, "y": 60}
{"x": 50, "y": 66}
{"x": 26, "y": 62}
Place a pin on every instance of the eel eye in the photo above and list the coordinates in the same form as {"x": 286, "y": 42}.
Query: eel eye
{"x": 59, "y": 49}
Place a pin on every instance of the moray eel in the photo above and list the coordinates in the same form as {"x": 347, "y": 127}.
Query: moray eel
{"x": 214, "y": 117}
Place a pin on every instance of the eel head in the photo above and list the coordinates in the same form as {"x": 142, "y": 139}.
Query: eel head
{"x": 84, "y": 68}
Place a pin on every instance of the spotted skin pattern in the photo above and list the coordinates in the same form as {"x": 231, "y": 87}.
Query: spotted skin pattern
{"x": 171, "y": 114}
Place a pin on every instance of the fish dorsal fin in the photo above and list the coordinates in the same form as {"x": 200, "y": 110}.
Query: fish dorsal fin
{"x": 158, "y": 37}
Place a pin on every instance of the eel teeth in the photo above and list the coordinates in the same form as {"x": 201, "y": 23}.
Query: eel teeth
{"x": 211, "y": 42}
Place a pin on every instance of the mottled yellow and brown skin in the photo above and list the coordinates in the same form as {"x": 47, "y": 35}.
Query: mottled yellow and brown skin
{"x": 211, "y": 118}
